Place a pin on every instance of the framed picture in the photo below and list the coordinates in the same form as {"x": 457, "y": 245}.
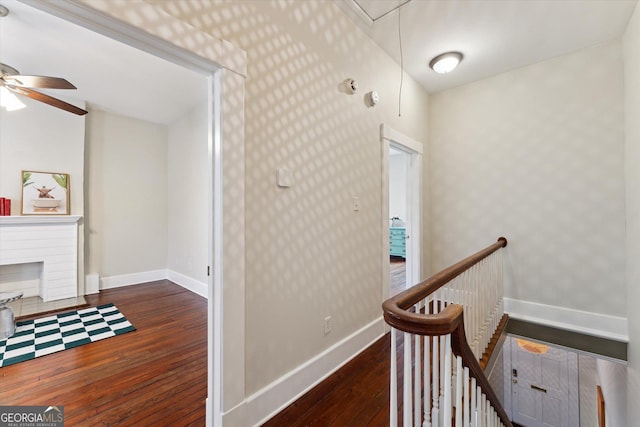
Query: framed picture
{"x": 45, "y": 193}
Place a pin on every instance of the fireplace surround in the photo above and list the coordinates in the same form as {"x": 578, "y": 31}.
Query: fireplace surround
{"x": 50, "y": 240}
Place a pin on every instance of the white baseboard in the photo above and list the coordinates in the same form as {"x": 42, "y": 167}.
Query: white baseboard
{"x": 264, "y": 404}
{"x": 188, "y": 283}
{"x": 132, "y": 279}
{"x": 150, "y": 276}
{"x": 600, "y": 325}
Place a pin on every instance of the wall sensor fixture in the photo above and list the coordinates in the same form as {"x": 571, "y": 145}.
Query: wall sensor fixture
{"x": 373, "y": 98}
{"x": 352, "y": 85}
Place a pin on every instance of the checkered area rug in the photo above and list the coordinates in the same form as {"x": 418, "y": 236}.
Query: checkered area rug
{"x": 39, "y": 337}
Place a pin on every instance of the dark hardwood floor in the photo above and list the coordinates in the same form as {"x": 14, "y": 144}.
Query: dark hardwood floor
{"x": 157, "y": 375}
{"x": 154, "y": 376}
{"x": 356, "y": 395}
{"x": 397, "y": 276}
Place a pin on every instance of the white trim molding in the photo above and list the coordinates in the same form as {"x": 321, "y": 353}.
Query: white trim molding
{"x": 270, "y": 400}
{"x": 132, "y": 279}
{"x": 39, "y": 220}
{"x": 139, "y": 278}
{"x": 188, "y": 283}
{"x": 392, "y": 135}
{"x": 600, "y": 325}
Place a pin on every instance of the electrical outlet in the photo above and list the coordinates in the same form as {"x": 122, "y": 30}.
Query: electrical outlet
{"x": 327, "y": 325}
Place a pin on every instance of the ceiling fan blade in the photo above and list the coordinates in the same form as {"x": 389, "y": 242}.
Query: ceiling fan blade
{"x": 38, "y": 96}
{"x": 45, "y": 82}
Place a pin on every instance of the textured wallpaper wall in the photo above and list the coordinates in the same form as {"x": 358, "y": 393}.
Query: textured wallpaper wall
{"x": 308, "y": 254}
{"x": 536, "y": 155}
{"x": 632, "y": 172}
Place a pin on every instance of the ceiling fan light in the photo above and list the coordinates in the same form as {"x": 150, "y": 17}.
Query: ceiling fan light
{"x": 446, "y": 62}
{"x": 9, "y": 101}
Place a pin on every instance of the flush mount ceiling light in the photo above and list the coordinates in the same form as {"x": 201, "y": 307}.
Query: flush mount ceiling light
{"x": 532, "y": 347}
{"x": 445, "y": 62}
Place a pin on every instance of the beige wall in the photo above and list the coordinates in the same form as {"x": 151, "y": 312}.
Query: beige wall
{"x": 536, "y": 155}
{"x": 126, "y": 195}
{"x": 308, "y": 255}
{"x": 55, "y": 144}
{"x": 397, "y": 186}
{"x": 187, "y": 194}
{"x": 632, "y": 179}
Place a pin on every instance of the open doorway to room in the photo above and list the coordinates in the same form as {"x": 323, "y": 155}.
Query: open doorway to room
{"x": 167, "y": 193}
{"x": 402, "y": 211}
{"x": 398, "y": 160}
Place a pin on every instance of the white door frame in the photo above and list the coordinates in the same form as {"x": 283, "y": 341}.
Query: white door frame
{"x": 108, "y": 26}
{"x": 392, "y": 138}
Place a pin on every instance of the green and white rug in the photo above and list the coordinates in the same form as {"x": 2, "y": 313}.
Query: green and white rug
{"x": 39, "y": 337}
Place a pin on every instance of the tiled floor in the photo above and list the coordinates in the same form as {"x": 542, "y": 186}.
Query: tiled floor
{"x": 33, "y": 305}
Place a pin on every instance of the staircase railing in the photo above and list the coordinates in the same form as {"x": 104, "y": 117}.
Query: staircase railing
{"x": 442, "y": 381}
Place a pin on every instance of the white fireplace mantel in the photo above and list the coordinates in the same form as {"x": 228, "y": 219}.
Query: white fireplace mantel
{"x": 50, "y": 240}
{"x": 39, "y": 219}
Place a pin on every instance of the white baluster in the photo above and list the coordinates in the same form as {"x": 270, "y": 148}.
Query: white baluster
{"x": 446, "y": 410}
{"x": 474, "y": 401}
{"x": 479, "y": 419}
{"x": 393, "y": 389}
{"x": 443, "y": 376}
{"x": 406, "y": 389}
{"x": 465, "y": 398}
{"x": 484, "y": 411}
{"x": 459, "y": 377}
{"x": 496, "y": 419}
{"x": 427, "y": 375}
{"x": 435, "y": 414}
{"x": 417, "y": 391}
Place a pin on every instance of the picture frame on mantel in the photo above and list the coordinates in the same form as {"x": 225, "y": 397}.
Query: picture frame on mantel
{"x": 45, "y": 193}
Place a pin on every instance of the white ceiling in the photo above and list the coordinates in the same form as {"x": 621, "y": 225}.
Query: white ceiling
{"x": 494, "y": 35}
{"x": 108, "y": 74}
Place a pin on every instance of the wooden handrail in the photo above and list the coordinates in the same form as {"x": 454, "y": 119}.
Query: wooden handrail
{"x": 448, "y": 321}
{"x": 395, "y": 308}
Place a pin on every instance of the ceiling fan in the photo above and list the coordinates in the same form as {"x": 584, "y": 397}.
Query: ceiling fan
{"x": 11, "y": 79}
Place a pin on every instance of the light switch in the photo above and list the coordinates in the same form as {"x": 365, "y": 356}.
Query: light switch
{"x": 284, "y": 177}
{"x": 356, "y": 203}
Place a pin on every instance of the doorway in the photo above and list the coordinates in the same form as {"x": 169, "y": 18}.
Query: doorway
{"x": 542, "y": 383}
{"x": 402, "y": 210}
{"x": 116, "y": 29}
{"x": 398, "y": 162}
